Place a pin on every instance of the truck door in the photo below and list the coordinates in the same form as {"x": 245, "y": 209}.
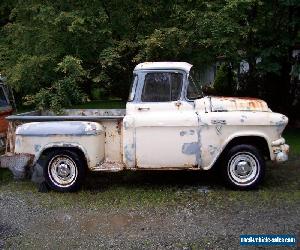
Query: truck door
{"x": 165, "y": 125}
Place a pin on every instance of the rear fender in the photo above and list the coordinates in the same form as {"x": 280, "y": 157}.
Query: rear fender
{"x": 61, "y": 145}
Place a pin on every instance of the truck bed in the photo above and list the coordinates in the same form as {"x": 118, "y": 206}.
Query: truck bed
{"x": 69, "y": 115}
{"x": 111, "y": 119}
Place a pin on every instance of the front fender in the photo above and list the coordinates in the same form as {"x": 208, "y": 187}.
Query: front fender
{"x": 211, "y": 152}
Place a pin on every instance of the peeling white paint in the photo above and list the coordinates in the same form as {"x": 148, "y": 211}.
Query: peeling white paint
{"x": 33, "y": 143}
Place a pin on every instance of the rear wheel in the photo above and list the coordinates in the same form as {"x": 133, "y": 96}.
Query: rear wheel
{"x": 243, "y": 167}
{"x": 64, "y": 171}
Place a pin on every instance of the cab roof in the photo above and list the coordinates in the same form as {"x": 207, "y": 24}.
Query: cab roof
{"x": 164, "y": 65}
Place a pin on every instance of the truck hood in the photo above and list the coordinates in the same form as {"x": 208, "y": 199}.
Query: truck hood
{"x": 221, "y": 104}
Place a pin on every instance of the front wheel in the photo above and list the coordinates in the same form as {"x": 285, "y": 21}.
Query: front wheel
{"x": 243, "y": 167}
{"x": 64, "y": 170}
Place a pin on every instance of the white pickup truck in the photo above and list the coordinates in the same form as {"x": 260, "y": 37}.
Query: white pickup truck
{"x": 167, "y": 125}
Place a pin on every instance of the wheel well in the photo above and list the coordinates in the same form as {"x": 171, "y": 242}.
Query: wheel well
{"x": 259, "y": 142}
{"x": 73, "y": 149}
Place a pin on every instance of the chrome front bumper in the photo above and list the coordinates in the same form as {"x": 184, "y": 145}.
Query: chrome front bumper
{"x": 280, "y": 150}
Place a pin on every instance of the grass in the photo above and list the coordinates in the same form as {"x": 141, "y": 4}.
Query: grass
{"x": 162, "y": 189}
{"x": 292, "y": 137}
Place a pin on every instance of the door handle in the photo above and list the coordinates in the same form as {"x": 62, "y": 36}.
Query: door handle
{"x": 143, "y": 109}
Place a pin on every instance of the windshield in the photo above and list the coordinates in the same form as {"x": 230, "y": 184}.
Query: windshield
{"x": 194, "y": 87}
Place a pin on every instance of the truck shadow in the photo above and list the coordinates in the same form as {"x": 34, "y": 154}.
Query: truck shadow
{"x": 97, "y": 182}
{"x": 277, "y": 178}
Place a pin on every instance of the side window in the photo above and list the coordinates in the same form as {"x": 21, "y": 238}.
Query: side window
{"x": 162, "y": 87}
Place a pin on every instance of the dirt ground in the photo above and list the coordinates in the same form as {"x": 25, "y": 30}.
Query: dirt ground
{"x": 149, "y": 210}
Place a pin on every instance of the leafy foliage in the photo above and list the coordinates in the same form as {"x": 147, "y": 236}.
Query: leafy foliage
{"x": 63, "y": 92}
{"x": 225, "y": 81}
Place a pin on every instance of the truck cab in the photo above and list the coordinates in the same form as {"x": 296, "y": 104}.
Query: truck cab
{"x": 160, "y": 119}
{"x": 168, "y": 125}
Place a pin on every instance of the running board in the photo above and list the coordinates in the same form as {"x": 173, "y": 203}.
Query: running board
{"x": 107, "y": 166}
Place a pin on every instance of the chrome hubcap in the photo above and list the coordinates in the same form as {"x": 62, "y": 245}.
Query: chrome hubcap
{"x": 62, "y": 170}
{"x": 243, "y": 168}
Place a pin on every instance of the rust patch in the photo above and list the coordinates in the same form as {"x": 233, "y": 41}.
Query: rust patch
{"x": 238, "y": 104}
{"x": 255, "y": 104}
{"x": 119, "y": 127}
{"x": 178, "y": 104}
{"x": 240, "y": 97}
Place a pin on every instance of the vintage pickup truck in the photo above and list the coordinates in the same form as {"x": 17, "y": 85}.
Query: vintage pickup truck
{"x": 167, "y": 125}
